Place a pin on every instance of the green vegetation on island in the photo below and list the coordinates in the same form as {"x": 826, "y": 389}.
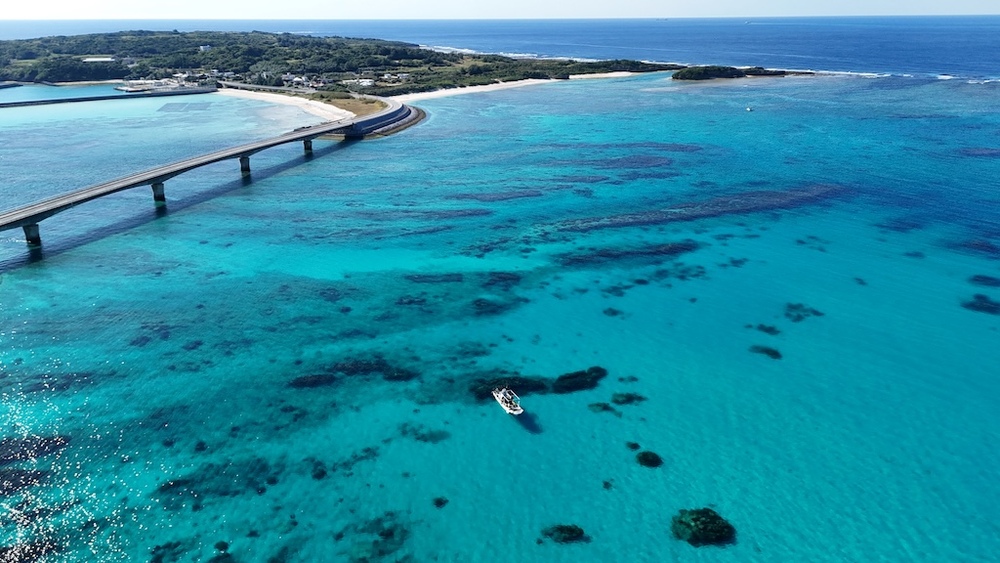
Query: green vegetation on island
{"x": 331, "y": 64}
{"x": 709, "y": 72}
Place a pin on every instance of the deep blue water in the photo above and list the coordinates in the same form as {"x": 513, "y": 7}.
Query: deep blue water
{"x": 798, "y": 309}
{"x": 964, "y": 46}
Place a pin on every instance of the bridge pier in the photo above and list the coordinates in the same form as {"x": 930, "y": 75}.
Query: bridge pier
{"x": 308, "y": 146}
{"x": 158, "y": 196}
{"x": 31, "y": 234}
{"x": 244, "y": 165}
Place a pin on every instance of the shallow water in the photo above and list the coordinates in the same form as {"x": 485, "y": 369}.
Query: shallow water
{"x": 284, "y": 364}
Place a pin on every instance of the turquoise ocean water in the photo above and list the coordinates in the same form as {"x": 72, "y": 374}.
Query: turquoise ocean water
{"x": 284, "y": 364}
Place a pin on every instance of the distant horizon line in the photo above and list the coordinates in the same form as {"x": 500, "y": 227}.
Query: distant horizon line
{"x": 651, "y": 18}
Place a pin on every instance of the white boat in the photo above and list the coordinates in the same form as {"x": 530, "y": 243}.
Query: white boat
{"x": 508, "y": 399}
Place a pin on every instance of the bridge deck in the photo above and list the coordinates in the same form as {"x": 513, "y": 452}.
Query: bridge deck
{"x": 33, "y": 213}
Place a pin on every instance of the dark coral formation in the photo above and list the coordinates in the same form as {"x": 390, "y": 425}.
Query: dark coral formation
{"x": 421, "y": 433}
{"x": 984, "y": 280}
{"x": 28, "y": 552}
{"x": 317, "y": 468}
{"x": 979, "y": 246}
{"x": 503, "y": 281}
{"x": 772, "y": 353}
{"x": 230, "y": 478}
{"x": 681, "y": 271}
{"x": 483, "y": 306}
{"x": 982, "y": 304}
{"x": 627, "y": 398}
{"x": 798, "y": 312}
{"x": 604, "y": 255}
{"x": 21, "y": 449}
{"x": 989, "y": 152}
{"x": 632, "y": 445}
{"x": 381, "y": 539}
{"x": 354, "y": 367}
{"x": 702, "y": 526}
{"x": 169, "y": 552}
{"x": 604, "y": 407}
{"x": 440, "y": 502}
{"x": 482, "y": 389}
{"x": 565, "y": 533}
{"x": 579, "y": 380}
{"x": 748, "y": 202}
{"x": 407, "y": 300}
{"x": 312, "y": 381}
{"x": 15, "y": 480}
{"x": 435, "y": 278}
{"x": 55, "y": 382}
{"x": 768, "y": 329}
{"x": 649, "y": 459}
{"x": 498, "y": 196}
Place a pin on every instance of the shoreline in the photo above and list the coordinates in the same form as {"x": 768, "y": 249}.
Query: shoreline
{"x": 447, "y": 92}
{"x": 319, "y": 109}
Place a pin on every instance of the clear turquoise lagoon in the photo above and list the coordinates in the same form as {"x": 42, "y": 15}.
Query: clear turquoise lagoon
{"x": 285, "y": 364}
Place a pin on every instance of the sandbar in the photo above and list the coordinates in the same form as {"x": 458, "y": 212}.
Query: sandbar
{"x": 314, "y": 107}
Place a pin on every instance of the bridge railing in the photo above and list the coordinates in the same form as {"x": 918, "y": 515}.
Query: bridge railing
{"x": 27, "y": 217}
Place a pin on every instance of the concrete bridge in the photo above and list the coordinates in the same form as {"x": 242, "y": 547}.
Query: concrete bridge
{"x": 29, "y": 216}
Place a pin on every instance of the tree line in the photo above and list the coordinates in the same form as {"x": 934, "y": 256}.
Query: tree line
{"x": 261, "y": 57}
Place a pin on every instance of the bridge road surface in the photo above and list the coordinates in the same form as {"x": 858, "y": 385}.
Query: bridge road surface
{"x": 28, "y": 216}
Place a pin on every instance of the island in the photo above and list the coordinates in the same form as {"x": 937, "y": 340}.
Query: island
{"x": 328, "y": 67}
{"x": 714, "y": 71}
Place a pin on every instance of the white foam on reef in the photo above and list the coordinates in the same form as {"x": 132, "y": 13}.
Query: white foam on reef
{"x": 442, "y": 49}
{"x": 512, "y": 55}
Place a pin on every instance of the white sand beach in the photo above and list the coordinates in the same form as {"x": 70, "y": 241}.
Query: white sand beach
{"x": 407, "y": 98}
{"x": 331, "y": 112}
{"x": 319, "y": 109}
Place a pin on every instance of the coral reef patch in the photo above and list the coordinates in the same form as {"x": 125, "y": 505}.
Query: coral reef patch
{"x": 702, "y": 526}
{"x": 421, "y": 433}
{"x": 798, "y": 312}
{"x": 226, "y": 479}
{"x": 13, "y": 481}
{"x": 579, "y": 380}
{"x": 29, "y": 449}
{"x": 488, "y": 197}
{"x": 565, "y": 533}
{"x": 604, "y": 407}
{"x": 435, "y": 278}
{"x": 482, "y": 388}
{"x": 169, "y": 552}
{"x": 983, "y": 304}
{"x": 647, "y": 458}
{"x": 28, "y": 552}
{"x": 988, "y": 152}
{"x": 980, "y": 246}
{"x": 772, "y": 353}
{"x": 984, "y": 280}
{"x": 749, "y": 202}
{"x": 627, "y": 398}
{"x": 598, "y": 256}
{"x": 312, "y": 381}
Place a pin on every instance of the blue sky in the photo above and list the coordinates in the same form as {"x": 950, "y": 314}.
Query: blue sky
{"x": 470, "y": 9}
